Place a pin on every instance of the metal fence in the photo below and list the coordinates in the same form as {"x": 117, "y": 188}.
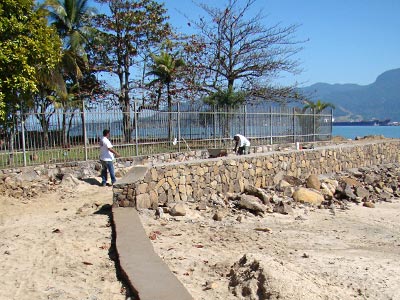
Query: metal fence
{"x": 59, "y": 136}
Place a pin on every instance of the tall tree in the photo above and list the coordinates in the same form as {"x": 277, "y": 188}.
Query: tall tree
{"x": 70, "y": 18}
{"x": 27, "y": 47}
{"x": 165, "y": 68}
{"x": 243, "y": 53}
{"x": 129, "y": 30}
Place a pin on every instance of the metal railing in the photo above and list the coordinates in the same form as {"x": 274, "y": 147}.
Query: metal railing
{"x": 58, "y": 136}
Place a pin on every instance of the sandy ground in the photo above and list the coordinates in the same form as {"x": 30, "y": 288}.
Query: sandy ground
{"x": 312, "y": 254}
{"x": 58, "y": 246}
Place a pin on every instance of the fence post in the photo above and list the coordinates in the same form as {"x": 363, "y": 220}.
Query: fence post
{"x": 331, "y": 131}
{"x": 215, "y": 127}
{"x": 179, "y": 126}
{"x": 136, "y": 127}
{"x": 294, "y": 125}
{"x": 245, "y": 119}
{"x": 314, "y": 131}
{"x": 23, "y": 138}
{"x": 84, "y": 130}
{"x": 270, "y": 125}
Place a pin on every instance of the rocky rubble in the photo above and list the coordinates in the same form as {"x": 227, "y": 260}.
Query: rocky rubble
{"x": 365, "y": 186}
{"x": 267, "y": 271}
{"x": 256, "y": 276}
{"x": 31, "y": 185}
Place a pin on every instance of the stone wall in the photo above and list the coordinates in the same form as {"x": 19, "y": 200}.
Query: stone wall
{"x": 193, "y": 180}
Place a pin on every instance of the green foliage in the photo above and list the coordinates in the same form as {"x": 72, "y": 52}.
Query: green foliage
{"x": 311, "y": 121}
{"x": 318, "y": 106}
{"x": 69, "y": 18}
{"x": 27, "y": 47}
{"x": 226, "y": 97}
{"x": 130, "y": 30}
{"x": 165, "y": 67}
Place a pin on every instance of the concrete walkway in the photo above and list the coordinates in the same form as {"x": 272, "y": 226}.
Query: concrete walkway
{"x": 145, "y": 272}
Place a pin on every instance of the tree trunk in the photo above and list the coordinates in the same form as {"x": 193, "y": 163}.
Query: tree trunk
{"x": 126, "y": 121}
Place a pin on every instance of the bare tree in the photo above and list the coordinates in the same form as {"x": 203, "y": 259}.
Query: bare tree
{"x": 244, "y": 54}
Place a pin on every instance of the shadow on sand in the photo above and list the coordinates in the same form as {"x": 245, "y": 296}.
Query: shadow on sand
{"x": 92, "y": 181}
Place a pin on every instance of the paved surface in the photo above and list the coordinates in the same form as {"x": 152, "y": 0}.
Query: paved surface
{"x": 133, "y": 175}
{"x": 145, "y": 271}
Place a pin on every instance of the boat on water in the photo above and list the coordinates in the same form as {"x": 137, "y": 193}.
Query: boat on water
{"x": 362, "y": 123}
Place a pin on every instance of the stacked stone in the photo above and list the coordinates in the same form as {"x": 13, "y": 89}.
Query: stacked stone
{"x": 194, "y": 180}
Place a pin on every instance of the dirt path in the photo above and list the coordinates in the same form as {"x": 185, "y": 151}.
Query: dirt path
{"x": 58, "y": 246}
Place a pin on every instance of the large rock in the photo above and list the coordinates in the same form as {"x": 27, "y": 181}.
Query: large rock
{"x": 327, "y": 191}
{"x": 283, "y": 208}
{"x": 350, "y": 181}
{"x": 312, "y": 182}
{"x": 143, "y": 201}
{"x": 349, "y": 193}
{"x": 282, "y": 185}
{"x": 305, "y": 195}
{"x": 362, "y": 192}
{"x": 29, "y": 175}
{"x": 294, "y": 181}
{"x": 251, "y": 203}
{"x": 178, "y": 209}
{"x": 370, "y": 178}
{"x": 259, "y": 193}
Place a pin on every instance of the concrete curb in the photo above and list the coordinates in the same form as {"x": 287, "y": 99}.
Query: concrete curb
{"x": 145, "y": 272}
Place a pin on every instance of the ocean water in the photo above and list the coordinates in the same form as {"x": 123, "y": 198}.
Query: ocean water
{"x": 350, "y": 132}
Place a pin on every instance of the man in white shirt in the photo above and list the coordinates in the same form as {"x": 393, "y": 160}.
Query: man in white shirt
{"x": 106, "y": 158}
{"x": 242, "y": 145}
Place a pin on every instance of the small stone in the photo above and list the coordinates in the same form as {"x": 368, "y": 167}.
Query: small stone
{"x": 210, "y": 285}
{"x": 369, "y": 204}
{"x": 159, "y": 213}
{"x": 218, "y": 216}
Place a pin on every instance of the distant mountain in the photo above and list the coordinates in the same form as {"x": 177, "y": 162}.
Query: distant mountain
{"x": 380, "y": 100}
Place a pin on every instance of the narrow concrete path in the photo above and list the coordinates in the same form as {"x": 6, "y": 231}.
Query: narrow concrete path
{"x": 146, "y": 273}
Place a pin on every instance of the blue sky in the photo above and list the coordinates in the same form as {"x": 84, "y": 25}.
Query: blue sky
{"x": 350, "y": 41}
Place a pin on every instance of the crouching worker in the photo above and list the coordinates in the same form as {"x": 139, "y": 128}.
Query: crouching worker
{"x": 242, "y": 145}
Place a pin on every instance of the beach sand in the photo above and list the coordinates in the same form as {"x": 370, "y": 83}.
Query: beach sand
{"x": 313, "y": 254}
{"x": 58, "y": 246}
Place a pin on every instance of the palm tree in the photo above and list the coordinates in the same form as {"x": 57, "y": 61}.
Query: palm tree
{"x": 312, "y": 122}
{"x": 227, "y": 99}
{"x": 68, "y": 16}
{"x": 165, "y": 68}
{"x": 318, "y": 106}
